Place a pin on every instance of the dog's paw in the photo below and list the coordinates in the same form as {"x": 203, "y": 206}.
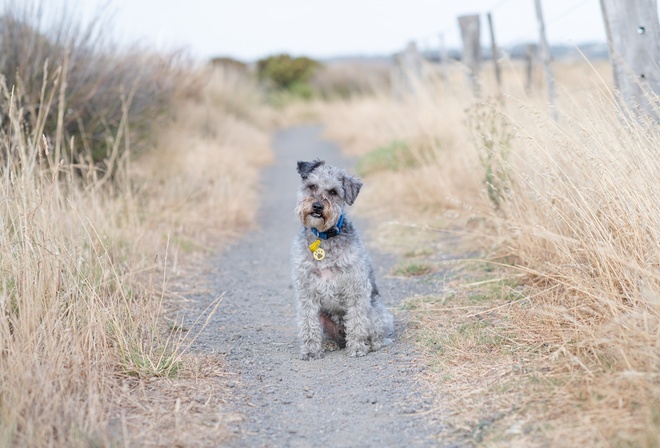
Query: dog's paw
{"x": 331, "y": 346}
{"x": 377, "y": 345}
{"x": 357, "y": 349}
{"x": 308, "y": 356}
{"x": 357, "y": 352}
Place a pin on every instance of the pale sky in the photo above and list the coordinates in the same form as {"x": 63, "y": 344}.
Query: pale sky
{"x": 250, "y": 29}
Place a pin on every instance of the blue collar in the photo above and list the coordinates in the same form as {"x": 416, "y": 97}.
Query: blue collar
{"x": 336, "y": 230}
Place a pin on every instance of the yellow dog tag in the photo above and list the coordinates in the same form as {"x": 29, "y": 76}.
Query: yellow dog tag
{"x": 317, "y": 252}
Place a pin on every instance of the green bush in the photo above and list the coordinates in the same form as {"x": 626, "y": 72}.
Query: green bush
{"x": 285, "y": 72}
{"x": 229, "y": 63}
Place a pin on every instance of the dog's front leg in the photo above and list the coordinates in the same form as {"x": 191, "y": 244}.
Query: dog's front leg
{"x": 310, "y": 329}
{"x": 357, "y": 327}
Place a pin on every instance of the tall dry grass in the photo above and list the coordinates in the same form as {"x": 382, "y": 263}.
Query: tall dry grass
{"x": 85, "y": 261}
{"x": 70, "y": 319}
{"x": 196, "y": 189}
{"x": 202, "y": 176}
{"x": 104, "y": 85}
{"x": 344, "y": 79}
{"x": 575, "y": 204}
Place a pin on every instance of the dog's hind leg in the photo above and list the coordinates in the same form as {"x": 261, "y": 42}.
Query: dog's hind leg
{"x": 333, "y": 329}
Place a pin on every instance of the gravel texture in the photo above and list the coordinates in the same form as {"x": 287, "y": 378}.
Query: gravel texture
{"x": 337, "y": 401}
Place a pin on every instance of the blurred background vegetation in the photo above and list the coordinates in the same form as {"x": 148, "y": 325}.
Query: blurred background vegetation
{"x": 99, "y": 83}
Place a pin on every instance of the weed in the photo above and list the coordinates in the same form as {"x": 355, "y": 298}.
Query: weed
{"x": 144, "y": 364}
{"x": 175, "y": 327}
{"x": 493, "y": 138}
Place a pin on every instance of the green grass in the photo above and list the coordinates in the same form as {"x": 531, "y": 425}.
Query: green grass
{"x": 394, "y": 156}
{"x": 414, "y": 253}
{"x": 503, "y": 288}
{"x": 142, "y": 364}
{"x": 186, "y": 245}
{"x": 413, "y": 269}
{"x": 175, "y": 327}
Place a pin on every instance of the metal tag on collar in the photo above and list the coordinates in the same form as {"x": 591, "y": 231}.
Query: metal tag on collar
{"x": 317, "y": 252}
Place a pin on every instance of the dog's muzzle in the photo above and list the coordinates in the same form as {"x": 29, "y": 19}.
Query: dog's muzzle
{"x": 317, "y": 210}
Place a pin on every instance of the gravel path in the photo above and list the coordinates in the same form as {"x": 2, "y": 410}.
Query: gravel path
{"x": 337, "y": 401}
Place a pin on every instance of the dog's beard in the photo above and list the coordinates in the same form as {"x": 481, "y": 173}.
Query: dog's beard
{"x": 323, "y": 221}
{"x": 313, "y": 221}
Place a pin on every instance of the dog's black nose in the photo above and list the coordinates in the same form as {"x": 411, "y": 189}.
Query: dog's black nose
{"x": 317, "y": 207}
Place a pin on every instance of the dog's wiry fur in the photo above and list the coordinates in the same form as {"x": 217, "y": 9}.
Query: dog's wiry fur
{"x": 337, "y": 297}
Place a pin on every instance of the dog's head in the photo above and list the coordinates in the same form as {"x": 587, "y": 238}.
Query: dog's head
{"x": 323, "y": 193}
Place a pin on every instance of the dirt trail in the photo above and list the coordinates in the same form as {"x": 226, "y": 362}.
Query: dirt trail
{"x": 285, "y": 402}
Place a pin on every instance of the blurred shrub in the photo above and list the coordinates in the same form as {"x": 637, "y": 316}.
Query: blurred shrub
{"x": 228, "y": 63}
{"x": 102, "y": 86}
{"x": 285, "y": 72}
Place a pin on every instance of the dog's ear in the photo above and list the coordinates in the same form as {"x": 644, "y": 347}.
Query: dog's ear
{"x": 304, "y": 168}
{"x": 351, "y": 187}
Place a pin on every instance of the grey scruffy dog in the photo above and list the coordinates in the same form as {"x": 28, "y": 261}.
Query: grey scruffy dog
{"x": 338, "y": 301}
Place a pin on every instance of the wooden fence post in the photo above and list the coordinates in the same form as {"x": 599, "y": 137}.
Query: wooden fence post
{"x": 412, "y": 67}
{"x": 406, "y": 72}
{"x": 470, "y": 33}
{"x": 396, "y": 76}
{"x": 545, "y": 55}
{"x": 495, "y": 54}
{"x": 633, "y": 36}
{"x": 444, "y": 57}
{"x": 530, "y": 56}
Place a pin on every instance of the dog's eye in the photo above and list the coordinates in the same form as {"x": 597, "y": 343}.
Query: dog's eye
{"x": 332, "y": 192}
{"x": 312, "y": 187}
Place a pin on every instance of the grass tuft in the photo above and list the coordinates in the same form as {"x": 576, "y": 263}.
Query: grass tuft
{"x": 413, "y": 269}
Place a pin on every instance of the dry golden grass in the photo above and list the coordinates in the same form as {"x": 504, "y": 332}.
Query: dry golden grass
{"x": 202, "y": 175}
{"x": 85, "y": 262}
{"x": 343, "y": 79}
{"x": 187, "y": 410}
{"x": 574, "y": 207}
